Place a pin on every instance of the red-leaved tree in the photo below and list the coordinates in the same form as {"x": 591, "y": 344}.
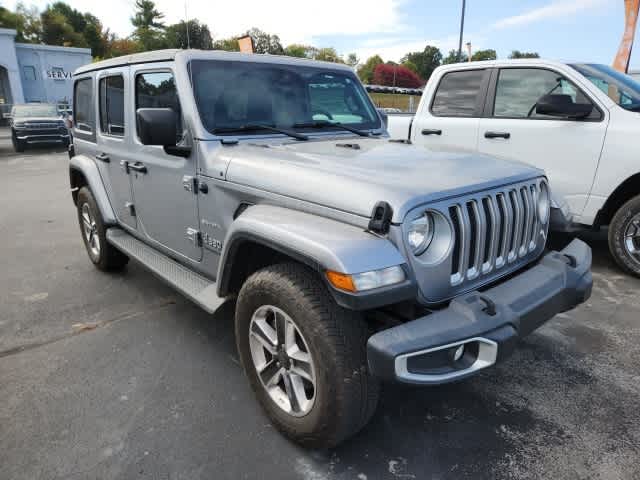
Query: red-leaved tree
{"x": 384, "y": 75}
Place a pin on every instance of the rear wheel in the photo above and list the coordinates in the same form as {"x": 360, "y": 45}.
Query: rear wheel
{"x": 624, "y": 236}
{"x": 304, "y": 355}
{"x": 103, "y": 255}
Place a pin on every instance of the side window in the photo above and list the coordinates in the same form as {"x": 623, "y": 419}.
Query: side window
{"x": 29, "y": 72}
{"x": 84, "y": 116}
{"x": 112, "y": 105}
{"x": 458, "y": 94}
{"x": 158, "y": 90}
{"x": 519, "y": 89}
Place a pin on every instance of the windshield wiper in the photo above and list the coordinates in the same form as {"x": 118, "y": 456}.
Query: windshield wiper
{"x": 259, "y": 126}
{"x": 324, "y": 123}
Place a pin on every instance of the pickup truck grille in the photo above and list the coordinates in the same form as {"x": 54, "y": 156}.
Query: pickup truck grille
{"x": 493, "y": 230}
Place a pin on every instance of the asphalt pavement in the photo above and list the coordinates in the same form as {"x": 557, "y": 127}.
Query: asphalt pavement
{"x": 117, "y": 376}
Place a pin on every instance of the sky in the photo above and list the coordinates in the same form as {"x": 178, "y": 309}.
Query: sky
{"x": 586, "y": 30}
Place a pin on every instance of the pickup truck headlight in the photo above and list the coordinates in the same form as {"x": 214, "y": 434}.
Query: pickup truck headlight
{"x": 420, "y": 233}
{"x": 544, "y": 203}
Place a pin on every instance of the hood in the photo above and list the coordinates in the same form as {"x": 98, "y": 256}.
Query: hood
{"x": 328, "y": 173}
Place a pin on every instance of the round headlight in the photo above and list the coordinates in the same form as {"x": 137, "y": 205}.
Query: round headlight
{"x": 420, "y": 233}
{"x": 544, "y": 203}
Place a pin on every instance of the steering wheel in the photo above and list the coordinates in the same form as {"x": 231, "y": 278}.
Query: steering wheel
{"x": 533, "y": 107}
{"x": 322, "y": 112}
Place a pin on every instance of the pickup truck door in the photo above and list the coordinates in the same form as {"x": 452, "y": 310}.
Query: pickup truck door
{"x": 163, "y": 185}
{"x": 567, "y": 149}
{"x": 450, "y": 121}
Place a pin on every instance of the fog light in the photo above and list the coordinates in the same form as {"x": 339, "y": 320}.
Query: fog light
{"x": 457, "y": 354}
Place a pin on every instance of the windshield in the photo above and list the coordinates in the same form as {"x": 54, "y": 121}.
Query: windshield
{"x": 26, "y": 111}
{"x": 232, "y": 95}
{"x": 620, "y": 88}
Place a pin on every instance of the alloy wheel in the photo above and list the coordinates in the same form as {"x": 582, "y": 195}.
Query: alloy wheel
{"x": 282, "y": 360}
{"x": 90, "y": 230}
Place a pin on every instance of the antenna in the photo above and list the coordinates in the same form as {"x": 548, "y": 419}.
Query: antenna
{"x": 186, "y": 24}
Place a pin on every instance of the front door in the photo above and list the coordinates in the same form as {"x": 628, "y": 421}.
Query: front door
{"x": 163, "y": 188}
{"x": 568, "y": 150}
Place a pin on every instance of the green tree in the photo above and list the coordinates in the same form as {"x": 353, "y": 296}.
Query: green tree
{"x": 425, "y": 62}
{"x": 489, "y": 54}
{"x": 227, "y": 44}
{"x": 328, "y": 54}
{"x": 148, "y": 25}
{"x": 297, "y": 50}
{"x": 199, "y": 35}
{"x": 365, "y": 71}
{"x": 352, "y": 60}
{"x": 519, "y": 54}
{"x": 25, "y": 21}
{"x": 452, "y": 57}
{"x": 265, "y": 43}
{"x": 56, "y": 30}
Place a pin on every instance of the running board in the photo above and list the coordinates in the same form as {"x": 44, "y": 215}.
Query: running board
{"x": 192, "y": 285}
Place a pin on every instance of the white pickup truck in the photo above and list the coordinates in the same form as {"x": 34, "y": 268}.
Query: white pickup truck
{"x": 574, "y": 120}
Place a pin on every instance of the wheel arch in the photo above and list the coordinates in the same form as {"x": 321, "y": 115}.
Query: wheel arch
{"x": 265, "y": 234}
{"x": 84, "y": 172}
{"x": 624, "y": 192}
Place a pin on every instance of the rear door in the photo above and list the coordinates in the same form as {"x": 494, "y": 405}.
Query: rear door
{"x": 451, "y": 119}
{"x": 567, "y": 149}
{"x": 114, "y": 136}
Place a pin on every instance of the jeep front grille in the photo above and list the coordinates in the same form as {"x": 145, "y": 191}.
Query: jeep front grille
{"x": 493, "y": 229}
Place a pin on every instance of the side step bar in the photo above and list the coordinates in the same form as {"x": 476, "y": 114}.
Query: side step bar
{"x": 192, "y": 285}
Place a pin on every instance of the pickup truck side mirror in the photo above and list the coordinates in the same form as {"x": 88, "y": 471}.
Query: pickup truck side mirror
{"x": 560, "y": 105}
{"x": 157, "y": 126}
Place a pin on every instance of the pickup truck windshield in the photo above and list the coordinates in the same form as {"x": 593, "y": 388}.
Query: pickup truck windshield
{"x": 26, "y": 111}
{"x": 620, "y": 88}
{"x": 231, "y": 95}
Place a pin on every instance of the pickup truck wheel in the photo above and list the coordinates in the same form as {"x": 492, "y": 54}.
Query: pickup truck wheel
{"x": 304, "y": 355}
{"x": 624, "y": 236}
{"x": 103, "y": 255}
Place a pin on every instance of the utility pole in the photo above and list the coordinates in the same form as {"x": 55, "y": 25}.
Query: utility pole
{"x": 461, "y": 32}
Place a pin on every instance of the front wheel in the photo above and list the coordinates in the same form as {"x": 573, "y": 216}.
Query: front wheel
{"x": 304, "y": 355}
{"x": 624, "y": 236}
{"x": 18, "y": 145}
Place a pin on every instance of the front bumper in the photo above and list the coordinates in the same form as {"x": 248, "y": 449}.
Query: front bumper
{"x": 479, "y": 329}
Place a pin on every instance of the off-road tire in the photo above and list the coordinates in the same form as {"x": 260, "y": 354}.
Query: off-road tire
{"x": 621, "y": 221}
{"x": 108, "y": 258}
{"x": 346, "y": 395}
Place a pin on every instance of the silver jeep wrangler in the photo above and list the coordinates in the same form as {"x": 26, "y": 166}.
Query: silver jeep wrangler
{"x": 353, "y": 259}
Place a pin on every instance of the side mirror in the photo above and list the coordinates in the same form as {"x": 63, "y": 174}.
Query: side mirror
{"x": 384, "y": 116}
{"x": 157, "y": 126}
{"x": 560, "y": 105}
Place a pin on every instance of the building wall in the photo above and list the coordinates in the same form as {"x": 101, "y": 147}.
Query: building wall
{"x": 46, "y": 71}
{"x": 10, "y": 85}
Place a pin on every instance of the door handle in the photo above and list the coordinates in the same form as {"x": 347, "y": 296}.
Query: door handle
{"x": 103, "y": 157}
{"x": 138, "y": 167}
{"x": 431, "y": 131}
{"x": 505, "y": 135}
